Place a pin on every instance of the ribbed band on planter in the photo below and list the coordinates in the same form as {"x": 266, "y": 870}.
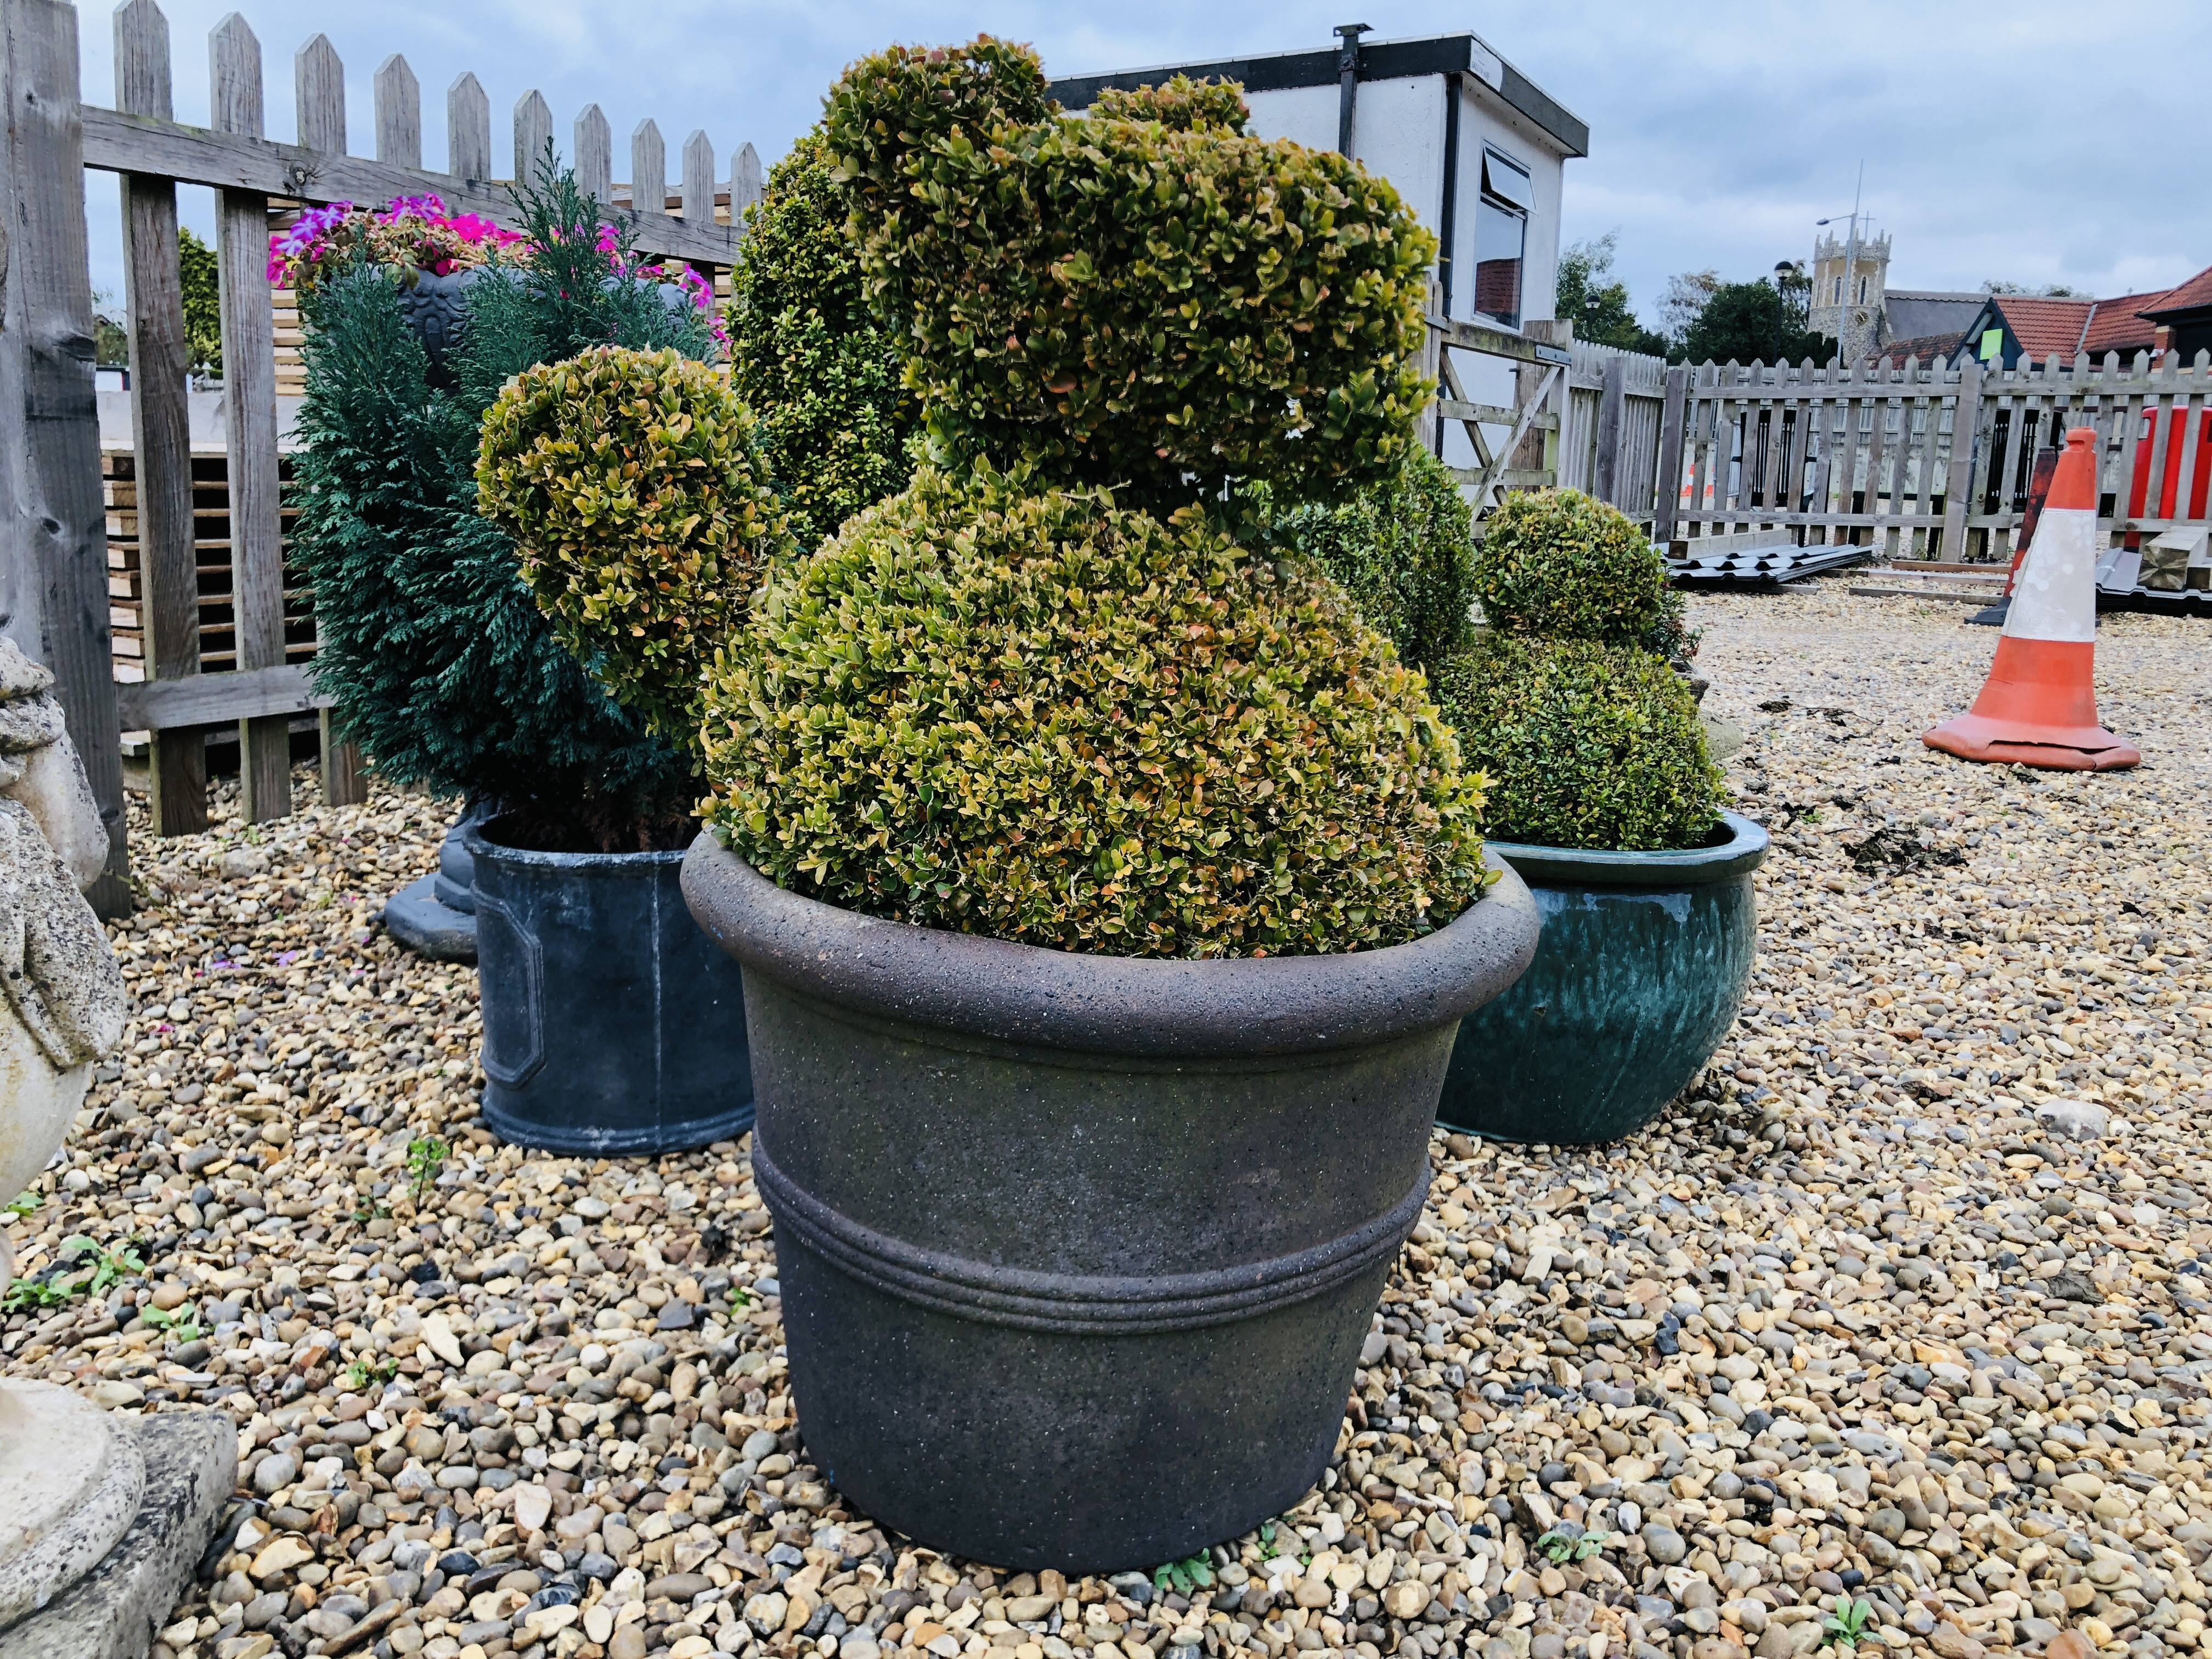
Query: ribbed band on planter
{"x": 1076, "y": 1304}
{"x": 1737, "y": 848}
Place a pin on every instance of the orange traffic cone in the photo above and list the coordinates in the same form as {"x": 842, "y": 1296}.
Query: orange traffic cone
{"x": 2039, "y": 705}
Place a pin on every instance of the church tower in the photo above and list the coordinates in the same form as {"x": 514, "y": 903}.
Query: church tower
{"x": 1848, "y": 285}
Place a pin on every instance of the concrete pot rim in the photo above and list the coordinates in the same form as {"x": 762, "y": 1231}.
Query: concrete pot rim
{"x": 1742, "y": 850}
{"x": 1130, "y": 1006}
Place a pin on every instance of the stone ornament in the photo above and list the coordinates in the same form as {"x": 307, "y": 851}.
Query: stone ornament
{"x": 64, "y": 999}
{"x": 70, "y": 1478}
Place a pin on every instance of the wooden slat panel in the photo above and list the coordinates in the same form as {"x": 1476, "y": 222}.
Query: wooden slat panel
{"x": 122, "y": 144}
{"x": 161, "y": 476}
{"x": 53, "y": 578}
{"x": 250, "y": 695}
{"x": 257, "y": 552}
{"x": 534, "y": 136}
{"x": 1496, "y": 342}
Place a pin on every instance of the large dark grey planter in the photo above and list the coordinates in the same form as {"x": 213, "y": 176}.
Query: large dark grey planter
{"x": 1077, "y": 1252}
{"x": 1641, "y": 971}
{"x": 612, "y": 1025}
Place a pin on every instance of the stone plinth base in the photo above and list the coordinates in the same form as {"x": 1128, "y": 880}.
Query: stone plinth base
{"x": 112, "y": 1611}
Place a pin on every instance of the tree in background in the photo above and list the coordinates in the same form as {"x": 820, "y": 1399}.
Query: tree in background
{"x": 110, "y": 337}
{"x": 1687, "y": 294}
{"x": 1750, "y": 322}
{"x": 808, "y": 357}
{"x": 196, "y": 265}
{"x": 1599, "y": 308}
{"x": 2049, "y": 291}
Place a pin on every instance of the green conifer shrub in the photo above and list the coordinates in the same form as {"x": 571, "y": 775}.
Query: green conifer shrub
{"x": 1052, "y": 720}
{"x": 807, "y": 355}
{"x": 1163, "y": 305}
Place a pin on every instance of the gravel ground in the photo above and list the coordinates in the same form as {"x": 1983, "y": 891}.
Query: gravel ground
{"x": 1905, "y": 1300}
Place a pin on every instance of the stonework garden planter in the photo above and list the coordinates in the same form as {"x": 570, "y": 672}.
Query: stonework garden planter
{"x": 1078, "y": 1253}
{"x": 1641, "y": 970}
{"x": 612, "y": 1026}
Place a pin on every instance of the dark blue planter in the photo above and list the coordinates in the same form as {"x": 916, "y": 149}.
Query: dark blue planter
{"x": 612, "y": 1025}
{"x": 1639, "y": 973}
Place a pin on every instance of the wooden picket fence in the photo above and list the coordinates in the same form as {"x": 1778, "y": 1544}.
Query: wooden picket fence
{"x": 1878, "y": 453}
{"x": 54, "y": 562}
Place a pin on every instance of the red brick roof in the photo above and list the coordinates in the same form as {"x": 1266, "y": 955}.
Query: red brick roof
{"x": 2119, "y": 326}
{"x": 2045, "y": 327}
{"x": 2194, "y": 295}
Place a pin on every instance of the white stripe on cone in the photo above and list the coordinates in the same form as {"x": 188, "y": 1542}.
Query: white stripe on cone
{"x": 2056, "y": 595}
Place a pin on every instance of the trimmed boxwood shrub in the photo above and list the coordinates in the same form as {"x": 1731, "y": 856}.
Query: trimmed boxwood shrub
{"x": 1055, "y": 721}
{"x": 1585, "y": 744}
{"x": 634, "y": 489}
{"x": 1559, "y": 564}
{"x": 808, "y": 357}
{"x": 1161, "y": 305}
{"x": 1404, "y": 550}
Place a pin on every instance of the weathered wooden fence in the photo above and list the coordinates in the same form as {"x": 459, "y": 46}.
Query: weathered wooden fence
{"x": 53, "y": 554}
{"x": 1868, "y": 454}
{"x": 1878, "y": 453}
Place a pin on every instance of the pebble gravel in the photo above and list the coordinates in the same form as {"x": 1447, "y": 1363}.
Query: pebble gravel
{"x": 1905, "y": 1303}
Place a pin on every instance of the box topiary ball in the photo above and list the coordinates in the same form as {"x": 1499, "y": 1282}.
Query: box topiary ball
{"x": 1585, "y": 745}
{"x": 1559, "y": 564}
{"x": 1148, "y": 298}
{"x": 639, "y": 501}
{"x": 1050, "y": 720}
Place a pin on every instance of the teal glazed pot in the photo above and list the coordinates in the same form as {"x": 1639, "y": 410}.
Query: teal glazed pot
{"x": 1639, "y": 972}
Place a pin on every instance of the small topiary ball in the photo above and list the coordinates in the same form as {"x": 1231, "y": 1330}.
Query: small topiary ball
{"x": 633, "y": 489}
{"x": 1050, "y": 720}
{"x": 1586, "y": 745}
{"x": 1556, "y": 563}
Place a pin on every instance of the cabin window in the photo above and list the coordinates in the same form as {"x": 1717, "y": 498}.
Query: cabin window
{"x": 1501, "y": 238}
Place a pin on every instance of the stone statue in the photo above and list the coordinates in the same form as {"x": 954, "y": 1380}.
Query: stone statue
{"x": 70, "y": 1478}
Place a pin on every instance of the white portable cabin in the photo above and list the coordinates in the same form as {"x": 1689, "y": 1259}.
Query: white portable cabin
{"x": 1476, "y": 148}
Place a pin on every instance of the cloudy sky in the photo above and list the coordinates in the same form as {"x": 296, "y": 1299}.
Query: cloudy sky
{"x": 2039, "y": 142}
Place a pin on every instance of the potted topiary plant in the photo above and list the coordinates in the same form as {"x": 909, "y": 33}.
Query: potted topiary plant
{"x": 1108, "y": 893}
{"x": 609, "y": 1021}
{"x": 1603, "y": 798}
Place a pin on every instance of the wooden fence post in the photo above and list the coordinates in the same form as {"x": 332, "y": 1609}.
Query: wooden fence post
{"x": 249, "y": 379}
{"x": 398, "y": 113}
{"x": 534, "y": 136}
{"x": 468, "y": 128}
{"x": 1966, "y": 438}
{"x": 53, "y": 529}
{"x": 699, "y": 179}
{"x": 1667, "y": 500}
{"x": 595, "y": 159}
{"x": 745, "y": 186}
{"x": 168, "y": 561}
{"x": 1612, "y": 404}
